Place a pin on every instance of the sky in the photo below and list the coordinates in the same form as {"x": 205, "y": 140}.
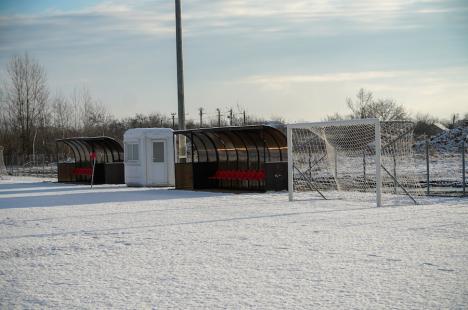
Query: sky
{"x": 298, "y": 59}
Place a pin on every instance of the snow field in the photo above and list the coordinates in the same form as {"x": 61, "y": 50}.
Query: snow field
{"x": 66, "y": 246}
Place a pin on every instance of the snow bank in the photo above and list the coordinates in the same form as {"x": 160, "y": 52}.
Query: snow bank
{"x": 447, "y": 141}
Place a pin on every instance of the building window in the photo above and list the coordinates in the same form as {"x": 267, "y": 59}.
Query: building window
{"x": 131, "y": 151}
{"x": 158, "y": 152}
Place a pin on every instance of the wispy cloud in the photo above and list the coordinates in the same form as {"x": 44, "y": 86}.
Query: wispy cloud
{"x": 363, "y": 15}
{"x": 201, "y": 17}
{"x": 456, "y": 74}
{"x": 274, "y": 44}
{"x": 438, "y": 91}
{"x": 320, "y": 78}
{"x": 97, "y": 24}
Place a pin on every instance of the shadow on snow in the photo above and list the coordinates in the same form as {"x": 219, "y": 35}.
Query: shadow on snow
{"x": 31, "y": 195}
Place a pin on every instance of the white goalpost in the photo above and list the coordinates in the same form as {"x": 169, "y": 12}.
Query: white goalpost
{"x": 356, "y": 159}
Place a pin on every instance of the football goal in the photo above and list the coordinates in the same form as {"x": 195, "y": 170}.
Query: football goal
{"x": 352, "y": 159}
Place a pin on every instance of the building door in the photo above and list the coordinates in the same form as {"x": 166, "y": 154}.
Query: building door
{"x": 157, "y": 163}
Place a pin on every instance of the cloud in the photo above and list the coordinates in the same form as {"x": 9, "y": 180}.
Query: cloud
{"x": 100, "y": 22}
{"x": 313, "y": 96}
{"x": 425, "y": 83}
{"x": 363, "y": 15}
{"x": 264, "y": 41}
{"x": 320, "y": 78}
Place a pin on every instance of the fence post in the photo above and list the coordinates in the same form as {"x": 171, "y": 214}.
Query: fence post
{"x": 427, "y": 168}
{"x": 364, "y": 168}
{"x": 394, "y": 175}
{"x": 43, "y": 165}
{"x": 463, "y": 168}
{"x": 336, "y": 166}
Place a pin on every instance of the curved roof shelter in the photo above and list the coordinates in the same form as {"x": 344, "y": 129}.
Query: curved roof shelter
{"x": 107, "y": 149}
{"x": 252, "y": 158}
{"x": 247, "y": 145}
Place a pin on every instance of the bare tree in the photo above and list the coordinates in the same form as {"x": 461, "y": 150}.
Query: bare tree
{"x": 26, "y": 96}
{"x": 365, "y": 106}
{"x": 75, "y": 105}
{"x": 4, "y": 124}
{"x": 85, "y": 115}
{"x": 62, "y": 114}
{"x": 335, "y": 117}
{"x": 94, "y": 116}
{"x": 360, "y": 108}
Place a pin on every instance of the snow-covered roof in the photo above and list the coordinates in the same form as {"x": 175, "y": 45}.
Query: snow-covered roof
{"x": 148, "y": 132}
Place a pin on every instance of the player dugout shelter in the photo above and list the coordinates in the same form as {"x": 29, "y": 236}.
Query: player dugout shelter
{"x": 248, "y": 158}
{"x": 77, "y": 166}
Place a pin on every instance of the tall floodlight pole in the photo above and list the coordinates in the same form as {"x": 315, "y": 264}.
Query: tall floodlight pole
{"x": 180, "y": 78}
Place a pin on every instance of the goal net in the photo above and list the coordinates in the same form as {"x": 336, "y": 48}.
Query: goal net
{"x": 3, "y": 170}
{"x": 357, "y": 159}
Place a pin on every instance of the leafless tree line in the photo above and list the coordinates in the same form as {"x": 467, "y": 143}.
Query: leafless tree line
{"x": 24, "y": 99}
{"x": 32, "y": 119}
{"x": 365, "y": 105}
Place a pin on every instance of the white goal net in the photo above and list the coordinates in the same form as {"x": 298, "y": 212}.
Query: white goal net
{"x": 353, "y": 159}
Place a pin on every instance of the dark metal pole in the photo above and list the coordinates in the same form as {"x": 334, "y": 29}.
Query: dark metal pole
{"x": 57, "y": 158}
{"x": 398, "y": 183}
{"x": 336, "y": 167}
{"x": 427, "y": 167}
{"x": 173, "y": 120}
{"x": 180, "y": 67}
{"x": 192, "y": 149}
{"x": 463, "y": 167}
{"x": 364, "y": 168}
{"x": 219, "y": 117}
{"x": 201, "y": 117}
{"x": 394, "y": 174}
{"x": 310, "y": 183}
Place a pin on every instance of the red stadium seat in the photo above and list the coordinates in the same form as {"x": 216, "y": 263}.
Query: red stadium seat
{"x": 242, "y": 175}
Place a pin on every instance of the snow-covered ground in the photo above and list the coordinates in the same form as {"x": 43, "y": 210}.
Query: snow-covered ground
{"x": 67, "y": 246}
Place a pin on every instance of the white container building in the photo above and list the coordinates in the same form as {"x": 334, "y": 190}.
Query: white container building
{"x": 149, "y": 157}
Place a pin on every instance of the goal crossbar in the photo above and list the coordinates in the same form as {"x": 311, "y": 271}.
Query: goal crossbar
{"x": 361, "y": 121}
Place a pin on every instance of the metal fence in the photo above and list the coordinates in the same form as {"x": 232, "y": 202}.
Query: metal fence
{"x": 442, "y": 171}
{"x": 38, "y": 165}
